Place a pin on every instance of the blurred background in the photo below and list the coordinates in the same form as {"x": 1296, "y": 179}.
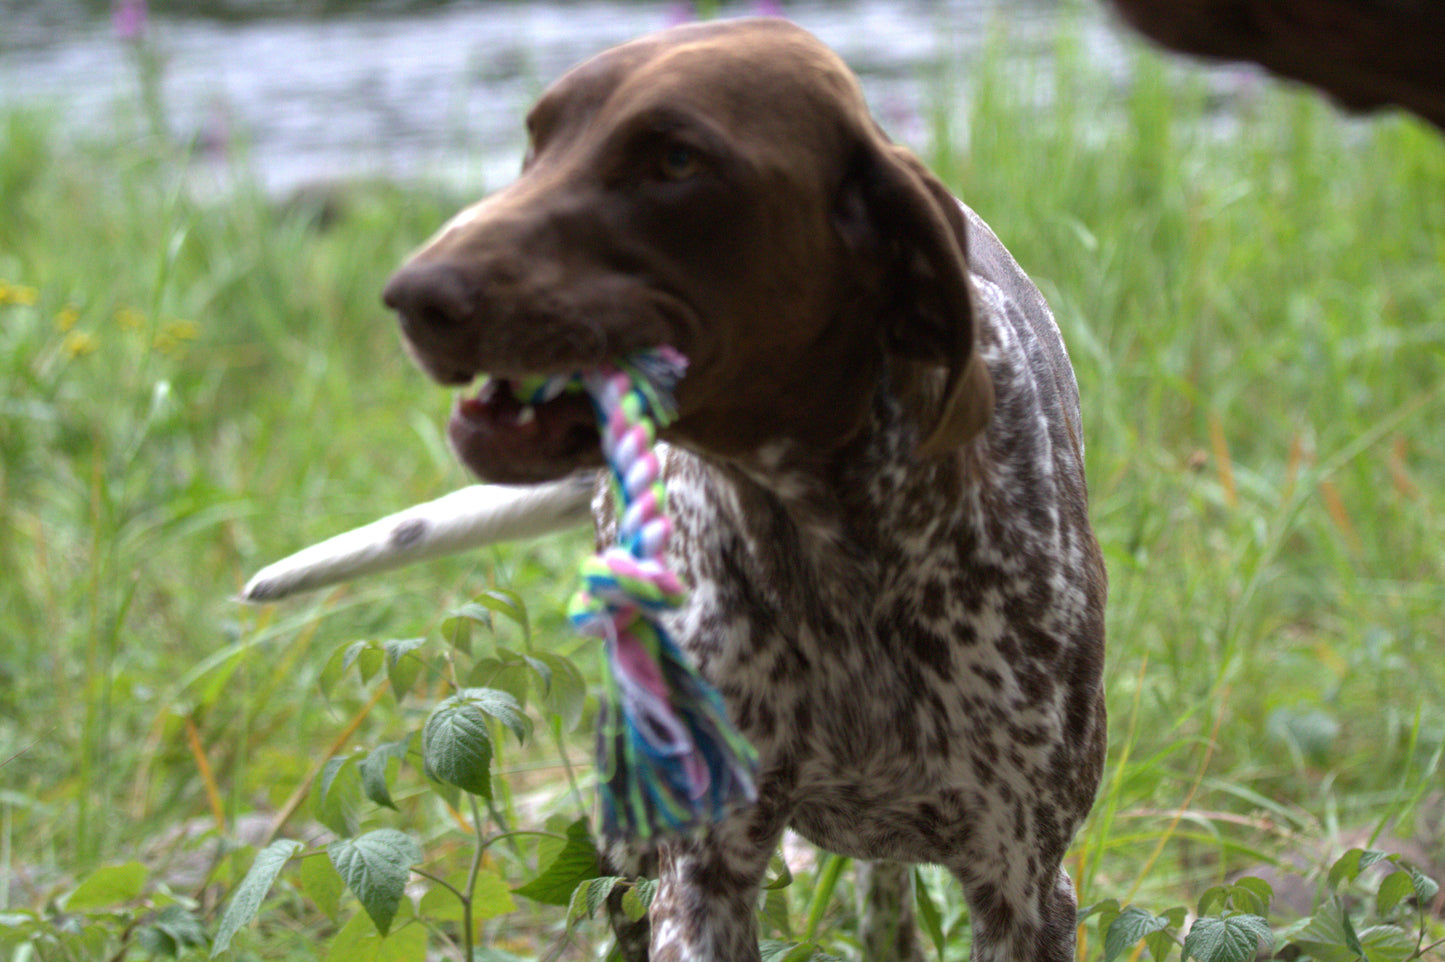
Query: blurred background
{"x": 199, "y": 204}
{"x": 317, "y": 90}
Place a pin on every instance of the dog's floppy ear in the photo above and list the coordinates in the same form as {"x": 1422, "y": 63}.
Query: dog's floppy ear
{"x": 894, "y": 209}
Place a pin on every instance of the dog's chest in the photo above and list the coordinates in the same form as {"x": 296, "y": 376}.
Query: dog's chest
{"x": 900, "y": 639}
{"x": 878, "y": 656}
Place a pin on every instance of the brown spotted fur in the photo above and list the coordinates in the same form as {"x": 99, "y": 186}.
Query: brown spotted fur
{"x": 876, "y": 473}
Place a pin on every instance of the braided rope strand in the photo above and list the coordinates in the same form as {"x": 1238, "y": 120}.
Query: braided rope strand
{"x": 670, "y": 759}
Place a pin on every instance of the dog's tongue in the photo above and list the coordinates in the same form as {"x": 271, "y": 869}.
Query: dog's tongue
{"x": 495, "y": 433}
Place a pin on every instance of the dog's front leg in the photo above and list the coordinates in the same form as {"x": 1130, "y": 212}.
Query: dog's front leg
{"x": 706, "y": 904}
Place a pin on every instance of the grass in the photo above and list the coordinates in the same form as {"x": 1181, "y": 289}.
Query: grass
{"x": 1254, "y": 295}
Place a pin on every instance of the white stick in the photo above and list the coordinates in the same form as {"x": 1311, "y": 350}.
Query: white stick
{"x": 470, "y": 518}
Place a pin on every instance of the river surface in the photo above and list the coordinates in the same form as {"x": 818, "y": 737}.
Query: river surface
{"x": 440, "y": 92}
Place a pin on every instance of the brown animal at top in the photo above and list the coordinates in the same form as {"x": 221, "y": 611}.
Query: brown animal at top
{"x": 1365, "y": 54}
{"x": 876, "y": 471}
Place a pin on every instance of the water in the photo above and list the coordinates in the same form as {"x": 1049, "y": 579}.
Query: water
{"x": 440, "y": 92}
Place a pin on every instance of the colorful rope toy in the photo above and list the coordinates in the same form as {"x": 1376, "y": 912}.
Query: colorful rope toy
{"x": 670, "y": 759}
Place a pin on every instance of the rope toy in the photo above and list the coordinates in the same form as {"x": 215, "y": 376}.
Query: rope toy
{"x": 670, "y": 759}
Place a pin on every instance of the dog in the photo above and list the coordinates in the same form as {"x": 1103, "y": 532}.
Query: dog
{"x": 875, "y": 472}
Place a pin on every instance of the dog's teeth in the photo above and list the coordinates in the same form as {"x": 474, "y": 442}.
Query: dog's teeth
{"x": 553, "y": 389}
{"x": 526, "y": 415}
{"x": 488, "y": 390}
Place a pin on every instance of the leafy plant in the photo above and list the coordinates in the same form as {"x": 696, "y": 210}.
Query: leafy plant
{"x": 1231, "y": 923}
{"x": 454, "y": 752}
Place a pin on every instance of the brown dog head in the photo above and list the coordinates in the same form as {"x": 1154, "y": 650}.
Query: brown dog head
{"x": 720, "y": 188}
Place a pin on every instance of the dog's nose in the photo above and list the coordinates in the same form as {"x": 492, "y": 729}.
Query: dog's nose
{"x": 430, "y": 296}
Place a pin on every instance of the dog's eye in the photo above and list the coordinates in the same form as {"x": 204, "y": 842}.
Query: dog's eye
{"x": 679, "y": 162}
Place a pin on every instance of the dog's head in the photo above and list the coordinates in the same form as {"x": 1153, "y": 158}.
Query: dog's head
{"x": 720, "y": 188}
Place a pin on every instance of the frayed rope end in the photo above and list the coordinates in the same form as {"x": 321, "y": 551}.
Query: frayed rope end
{"x": 671, "y": 760}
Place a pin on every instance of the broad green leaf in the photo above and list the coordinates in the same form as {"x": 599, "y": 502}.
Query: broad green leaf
{"x": 638, "y": 899}
{"x": 500, "y": 705}
{"x": 482, "y": 672}
{"x": 514, "y": 678}
{"x": 373, "y": 770}
{"x": 457, "y": 630}
{"x": 359, "y": 941}
{"x": 1394, "y": 889}
{"x": 1328, "y": 935}
{"x": 107, "y": 886}
{"x": 1352, "y": 938}
{"x": 335, "y": 795}
{"x": 1387, "y": 943}
{"x": 375, "y": 867}
{"x": 1231, "y": 938}
{"x": 1108, "y": 908}
{"x": 1132, "y": 925}
{"x": 335, "y": 668}
{"x": 510, "y": 605}
{"x": 542, "y": 671}
{"x": 491, "y": 897}
{"x": 1346, "y": 868}
{"x": 156, "y": 942}
{"x": 1248, "y": 895}
{"x": 457, "y": 748}
{"x": 774, "y": 915}
{"x": 1252, "y": 895}
{"x": 370, "y": 660}
{"x": 449, "y": 794}
{"x": 574, "y": 864}
{"x": 1214, "y": 899}
{"x": 173, "y": 930}
{"x": 1371, "y": 857}
{"x": 367, "y": 656}
{"x": 1161, "y": 944}
{"x": 1426, "y": 888}
{"x": 928, "y": 914}
{"x": 246, "y": 900}
{"x": 781, "y": 875}
{"x": 441, "y": 904}
{"x": 1165, "y": 942}
{"x": 402, "y": 666}
{"x": 590, "y": 896}
{"x": 318, "y": 879}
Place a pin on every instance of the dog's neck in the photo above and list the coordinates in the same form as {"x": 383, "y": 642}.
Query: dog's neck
{"x": 851, "y": 518}
{"x": 858, "y": 482}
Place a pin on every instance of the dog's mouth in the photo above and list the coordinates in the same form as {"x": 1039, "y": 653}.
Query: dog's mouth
{"x": 519, "y": 430}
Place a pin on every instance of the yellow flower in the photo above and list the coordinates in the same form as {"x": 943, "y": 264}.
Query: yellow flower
{"x": 129, "y": 319}
{"x": 182, "y": 330}
{"x": 17, "y": 294}
{"x": 171, "y": 341}
{"x": 66, "y": 318}
{"x": 79, "y": 343}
